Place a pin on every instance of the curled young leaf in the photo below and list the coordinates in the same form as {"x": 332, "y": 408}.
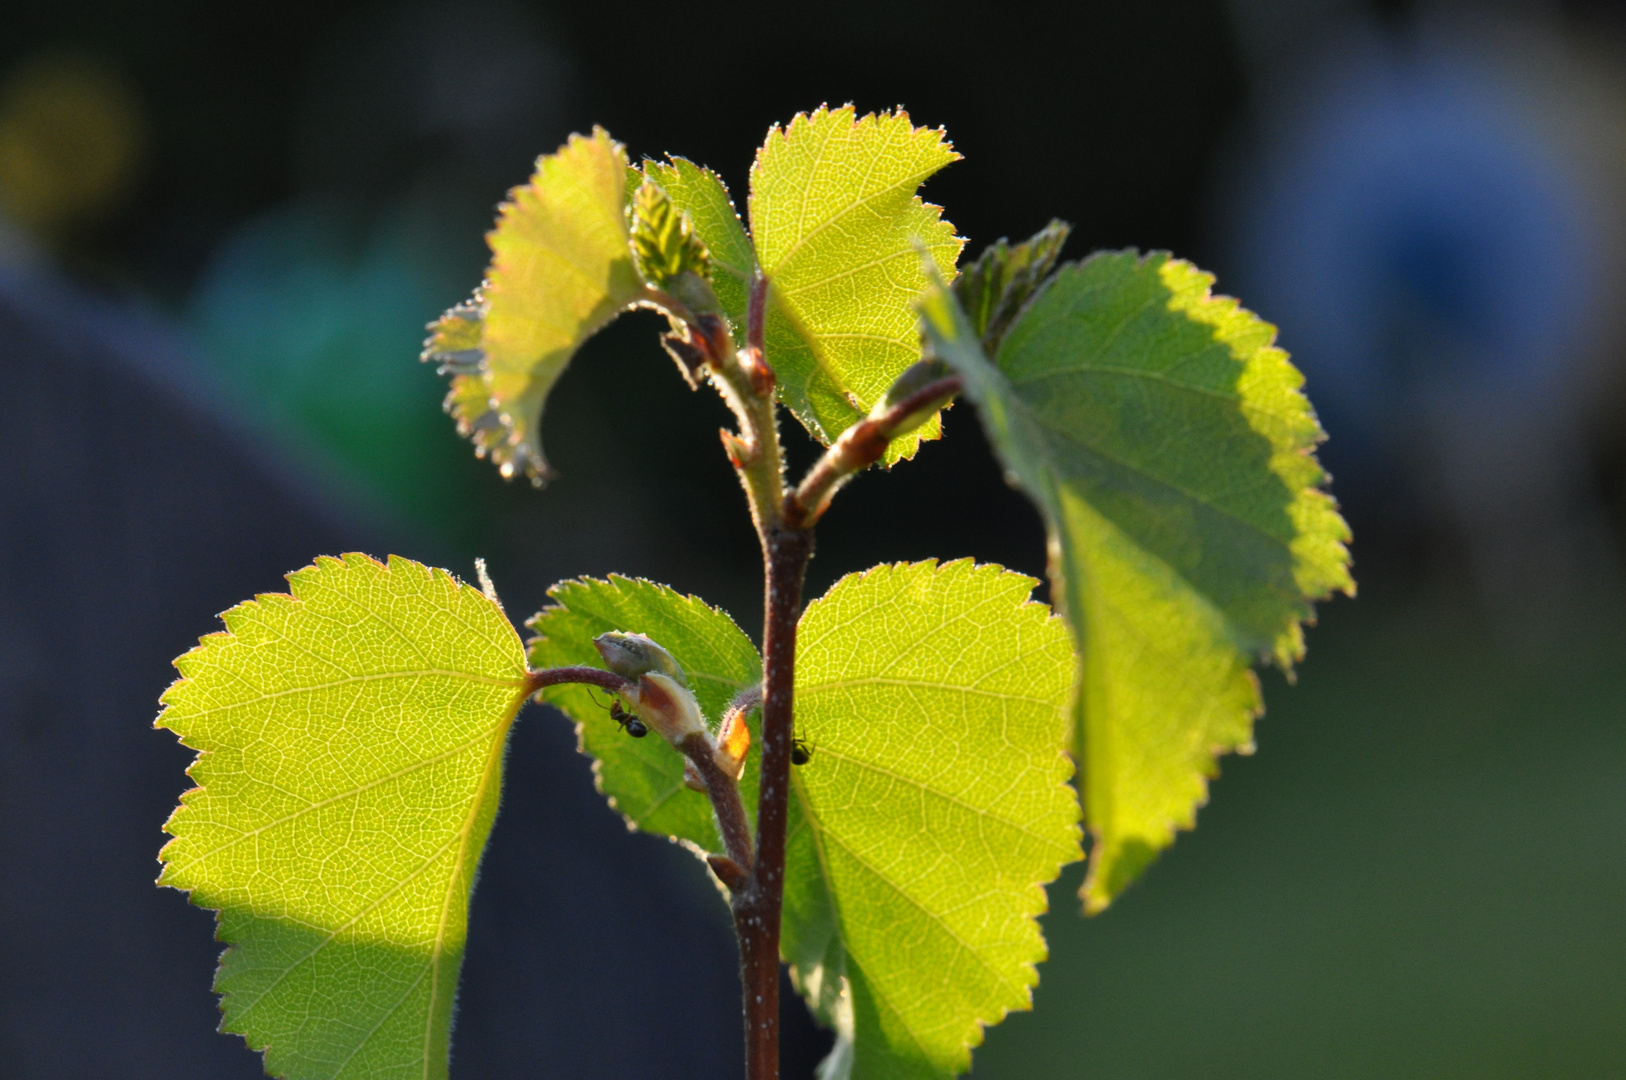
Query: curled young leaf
{"x": 1005, "y": 276}
{"x": 1171, "y": 451}
{"x": 664, "y": 243}
{"x": 703, "y": 198}
{"x": 561, "y": 268}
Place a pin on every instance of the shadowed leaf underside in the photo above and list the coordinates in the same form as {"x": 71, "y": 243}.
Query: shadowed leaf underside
{"x": 1166, "y": 440}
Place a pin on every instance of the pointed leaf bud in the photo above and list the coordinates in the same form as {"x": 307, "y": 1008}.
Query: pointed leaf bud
{"x": 634, "y": 654}
{"x": 733, "y": 740}
{"x": 916, "y": 377}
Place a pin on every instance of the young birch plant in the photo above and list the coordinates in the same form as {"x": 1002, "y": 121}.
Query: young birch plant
{"x": 885, "y": 784}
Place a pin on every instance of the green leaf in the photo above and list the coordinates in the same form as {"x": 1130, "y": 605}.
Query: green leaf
{"x": 835, "y": 220}
{"x": 644, "y": 777}
{"x": 350, "y": 742}
{"x": 934, "y": 808}
{"x": 1169, "y": 446}
{"x": 561, "y": 268}
{"x": 700, "y": 194}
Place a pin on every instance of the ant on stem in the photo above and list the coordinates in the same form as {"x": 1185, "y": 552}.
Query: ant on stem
{"x": 627, "y": 721}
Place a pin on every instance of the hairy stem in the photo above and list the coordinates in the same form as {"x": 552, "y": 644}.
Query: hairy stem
{"x": 605, "y": 680}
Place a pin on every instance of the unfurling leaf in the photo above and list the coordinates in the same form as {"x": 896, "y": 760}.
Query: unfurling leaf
{"x": 702, "y": 197}
{"x": 993, "y": 289}
{"x": 1168, "y": 445}
{"x": 835, "y": 221}
{"x": 350, "y": 742}
{"x": 931, "y": 811}
{"x": 644, "y": 777}
{"x": 561, "y": 268}
{"x": 664, "y": 243}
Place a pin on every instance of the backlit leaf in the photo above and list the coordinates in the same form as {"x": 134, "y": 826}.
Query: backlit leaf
{"x": 1169, "y": 446}
{"x": 561, "y": 268}
{"x": 835, "y": 220}
{"x": 350, "y": 740}
{"x": 932, "y": 811}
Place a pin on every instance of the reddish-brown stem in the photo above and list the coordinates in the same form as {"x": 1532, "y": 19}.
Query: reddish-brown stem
{"x": 607, "y": 680}
{"x": 756, "y": 314}
{"x": 724, "y": 793}
{"x": 721, "y": 787}
{"x": 757, "y": 907}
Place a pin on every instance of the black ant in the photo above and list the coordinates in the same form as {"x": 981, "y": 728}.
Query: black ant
{"x": 801, "y": 751}
{"x": 628, "y": 721}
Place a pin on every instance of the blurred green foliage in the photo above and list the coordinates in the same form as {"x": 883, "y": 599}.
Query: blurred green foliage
{"x": 1423, "y": 878}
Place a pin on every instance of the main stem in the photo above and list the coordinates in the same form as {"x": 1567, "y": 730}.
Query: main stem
{"x": 747, "y": 385}
{"x": 757, "y": 907}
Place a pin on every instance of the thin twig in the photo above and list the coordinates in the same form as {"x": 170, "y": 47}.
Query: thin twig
{"x": 607, "y": 680}
{"x": 859, "y": 447}
{"x": 724, "y": 792}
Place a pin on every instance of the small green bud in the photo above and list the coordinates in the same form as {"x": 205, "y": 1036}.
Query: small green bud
{"x": 916, "y": 376}
{"x": 668, "y": 253}
{"x": 633, "y": 655}
{"x": 667, "y": 706}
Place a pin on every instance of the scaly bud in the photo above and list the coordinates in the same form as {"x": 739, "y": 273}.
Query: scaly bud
{"x": 633, "y": 655}
{"x": 667, "y": 706}
{"x": 739, "y": 451}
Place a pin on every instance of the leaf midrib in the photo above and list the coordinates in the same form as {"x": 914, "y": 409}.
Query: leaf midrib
{"x": 468, "y": 676}
{"x": 913, "y": 181}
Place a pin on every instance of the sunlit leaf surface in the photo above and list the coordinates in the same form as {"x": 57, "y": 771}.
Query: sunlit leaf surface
{"x": 700, "y": 193}
{"x": 933, "y": 810}
{"x": 1168, "y": 444}
{"x": 351, "y": 743}
{"x": 835, "y": 220}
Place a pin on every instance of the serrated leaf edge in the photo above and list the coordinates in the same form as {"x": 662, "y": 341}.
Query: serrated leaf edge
{"x": 1065, "y": 771}
{"x": 558, "y": 592}
{"x": 207, "y": 642}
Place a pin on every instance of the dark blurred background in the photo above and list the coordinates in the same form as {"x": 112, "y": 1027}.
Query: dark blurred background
{"x": 222, "y": 228}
